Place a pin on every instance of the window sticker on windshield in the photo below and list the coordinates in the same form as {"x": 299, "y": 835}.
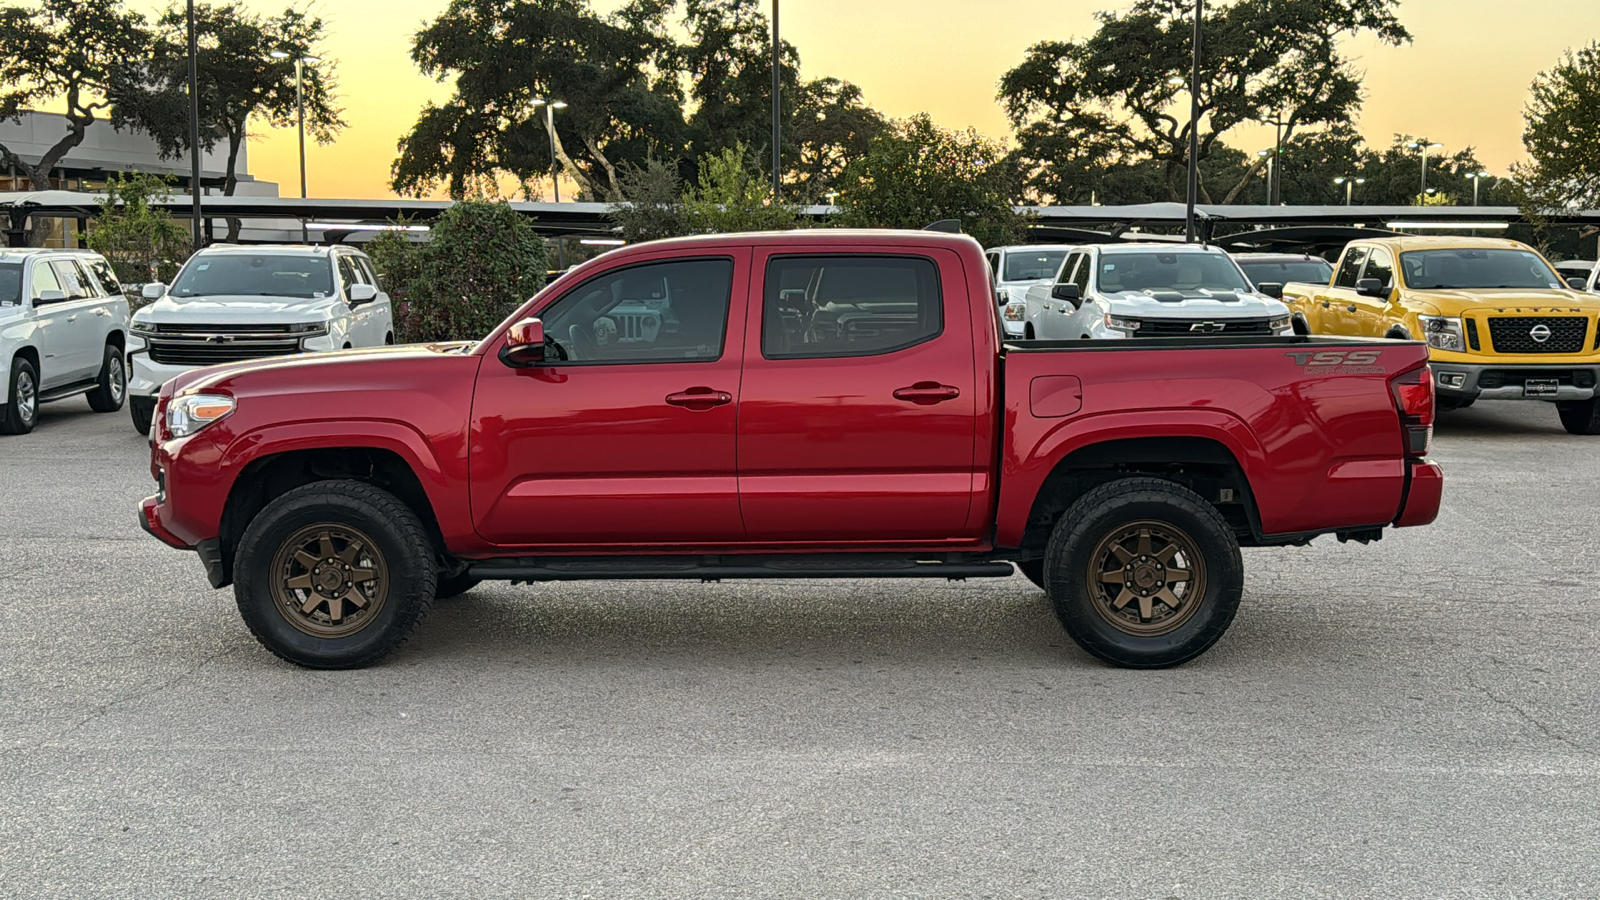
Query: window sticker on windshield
{"x": 202, "y": 267}
{"x": 317, "y": 293}
{"x": 1110, "y": 267}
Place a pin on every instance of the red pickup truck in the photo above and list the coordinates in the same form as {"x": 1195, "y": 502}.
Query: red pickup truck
{"x": 818, "y": 404}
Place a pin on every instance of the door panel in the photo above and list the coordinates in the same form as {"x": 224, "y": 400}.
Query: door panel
{"x": 857, "y": 418}
{"x": 54, "y": 336}
{"x": 1372, "y": 313}
{"x": 631, "y": 441}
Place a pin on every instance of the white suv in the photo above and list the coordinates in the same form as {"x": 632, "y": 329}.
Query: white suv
{"x": 1015, "y": 270}
{"x": 63, "y": 327}
{"x": 1151, "y": 290}
{"x": 231, "y": 303}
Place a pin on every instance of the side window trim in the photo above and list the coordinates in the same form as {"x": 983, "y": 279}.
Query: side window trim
{"x": 1372, "y": 256}
{"x": 1069, "y": 268}
{"x": 1084, "y": 277}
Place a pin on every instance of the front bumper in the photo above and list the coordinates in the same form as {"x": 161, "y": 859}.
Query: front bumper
{"x": 1487, "y": 381}
{"x": 145, "y": 377}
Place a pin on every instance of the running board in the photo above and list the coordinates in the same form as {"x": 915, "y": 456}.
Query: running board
{"x": 61, "y": 393}
{"x": 714, "y": 568}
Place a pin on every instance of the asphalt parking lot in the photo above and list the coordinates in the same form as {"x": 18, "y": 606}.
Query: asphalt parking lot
{"x": 1418, "y": 718}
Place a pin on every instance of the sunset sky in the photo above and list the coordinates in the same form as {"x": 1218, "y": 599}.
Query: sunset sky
{"x": 1463, "y": 81}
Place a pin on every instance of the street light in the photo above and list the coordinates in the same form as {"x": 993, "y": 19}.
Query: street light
{"x": 550, "y": 107}
{"x": 1475, "y": 176}
{"x": 1349, "y": 184}
{"x": 194, "y": 130}
{"x": 1268, "y": 156}
{"x": 1424, "y": 145}
{"x": 300, "y": 62}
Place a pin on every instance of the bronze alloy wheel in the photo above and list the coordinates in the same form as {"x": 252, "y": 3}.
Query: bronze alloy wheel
{"x": 329, "y": 581}
{"x": 1147, "y": 578}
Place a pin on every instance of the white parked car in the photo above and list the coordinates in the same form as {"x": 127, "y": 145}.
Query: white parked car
{"x": 1016, "y": 269}
{"x": 231, "y": 303}
{"x": 63, "y": 328}
{"x": 1151, "y": 290}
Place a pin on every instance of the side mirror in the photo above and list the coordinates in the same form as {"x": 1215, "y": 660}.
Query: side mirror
{"x": 1371, "y": 287}
{"x": 51, "y": 296}
{"x": 362, "y": 293}
{"x": 153, "y": 291}
{"x": 524, "y": 344}
{"x": 1068, "y": 291}
{"x": 1578, "y": 283}
{"x": 1272, "y": 289}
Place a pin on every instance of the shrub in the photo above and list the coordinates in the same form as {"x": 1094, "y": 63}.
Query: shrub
{"x": 142, "y": 244}
{"x": 481, "y": 262}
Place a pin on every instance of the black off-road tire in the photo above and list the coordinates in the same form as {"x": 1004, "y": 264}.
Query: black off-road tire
{"x": 455, "y": 585}
{"x": 143, "y": 410}
{"x": 18, "y": 414}
{"x": 1074, "y": 560}
{"x": 1033, "y": 570}
{"x": 1580, "y": 416}
{"x": 400, "y": 547}
{"x": 111, "y": 389}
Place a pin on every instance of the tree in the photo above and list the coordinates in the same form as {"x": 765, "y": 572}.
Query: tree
{"x": 830, "y": 125}
{"x": 65, "y": 50}
{"x": 1121, "y": 94}
{"x": 653, "y": 207}
{"x": 482, "y": 260}
{"x": 614, "y": 72}
{"x": 915, "y": 173}
{"x": 1394, "y": 177}
{"x": 238, "y": 79}
{"x": 1563, "y": 124}
{"x": 731, "y": 195}
{"x": 142, "y": 244}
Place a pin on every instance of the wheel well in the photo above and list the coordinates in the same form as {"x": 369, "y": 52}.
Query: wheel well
{"x": 270, "y": 476}
{"x": 1205, "y": 466}
{"x": 31, "y": 354}
{"x": 1301, "y": 326}
{"x": 118, "y": 340}
{"x": 1399, "y": 332}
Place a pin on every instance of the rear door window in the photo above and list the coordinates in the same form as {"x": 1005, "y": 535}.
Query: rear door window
{"x": 818, "y": 307}
{"x": 74, "y": 281}
{"x": 1350, "y": 269}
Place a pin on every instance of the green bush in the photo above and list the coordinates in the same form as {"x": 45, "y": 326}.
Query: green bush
{"x": 142, "y": 244}
{"x": 481, "y": 262}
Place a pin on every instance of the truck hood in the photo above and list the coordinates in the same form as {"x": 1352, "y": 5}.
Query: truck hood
{"x": 1240, "y": 305}
{"x": 1509, "y": 300}
{"x": 364, "y": 369}
{"x": 240, "y": 308}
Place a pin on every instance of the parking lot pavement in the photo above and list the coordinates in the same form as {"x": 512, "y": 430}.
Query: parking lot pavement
{"x": 1414, "y": 718}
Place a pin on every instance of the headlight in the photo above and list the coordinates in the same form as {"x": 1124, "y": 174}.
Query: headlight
{"x": 1016, "y": 312}
{"x": 1280, "y": 325}
{"x": 192, "y": 412}
{"x": 1443, "y": 333}
{"x": 309, "y": 328}
{"x": 1122, "y": 323}
{"x": 143, "y": 327}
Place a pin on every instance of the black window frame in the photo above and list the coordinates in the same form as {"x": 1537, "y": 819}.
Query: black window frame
{"x": 727, "y": 318}
{"x": 1087, "y": 264}
{"x": 938, "y": 299}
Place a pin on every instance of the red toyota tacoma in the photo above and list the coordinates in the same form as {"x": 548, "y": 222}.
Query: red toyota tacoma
{"x": 820, "y": 404}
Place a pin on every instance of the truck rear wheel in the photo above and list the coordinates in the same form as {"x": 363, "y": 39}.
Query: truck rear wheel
{"x": 1144, "y": 573}
{"x": 111, "y": 388}
{"x": 334, "y": 574}
{"x": 1580, "y": 416}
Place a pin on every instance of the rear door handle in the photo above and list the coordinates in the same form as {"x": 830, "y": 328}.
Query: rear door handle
{"x": 927, "y": 393}
{"x": 1350, "y": 308}
{"x": 699, "y": 398}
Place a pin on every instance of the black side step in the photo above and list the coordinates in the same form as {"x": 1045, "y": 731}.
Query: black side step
{"x": 712, "y": 568}
{"x": 65, "y": 391}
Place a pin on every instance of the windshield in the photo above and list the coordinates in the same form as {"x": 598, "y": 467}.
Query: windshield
{"x": 10, "y": 284}
{"x": 1032, "y": 265}
{"x": 1308, "y": 271}
{"x": 1156, "y": 271}
{"x": 256, "y": 274}
{"x": 1472, "y": 269}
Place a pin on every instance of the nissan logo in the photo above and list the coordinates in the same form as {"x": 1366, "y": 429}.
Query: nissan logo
{"x": 1539, "y": 333}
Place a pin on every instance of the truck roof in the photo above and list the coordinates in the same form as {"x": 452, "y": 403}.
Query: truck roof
{"x": 892, "y": 236}
{"x": 1445, "y": 242}
{"x": 297, "y": 249}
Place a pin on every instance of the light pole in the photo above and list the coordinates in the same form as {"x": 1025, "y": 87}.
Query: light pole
{"x": 300, "y": 62}
{"x": 194, "y": 129}
{"x": 1424, "y": 145}
{"x": 1476, "y": 176}
{"x": 1194, "y": 128}
{"x": 550, "y": 107}
{"x": 777, "y": 106}
{"x": 1268, "y": 156}
{"x": 1275, "y": 171}
{"x": 1349, "y": 184}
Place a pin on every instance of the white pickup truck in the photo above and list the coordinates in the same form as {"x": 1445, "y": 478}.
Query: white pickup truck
{"x": 63, "y": 326}
{"x": 231, "y": 303}
{"x": 1151, "y": 290}
{"x": 1015, "y": 270}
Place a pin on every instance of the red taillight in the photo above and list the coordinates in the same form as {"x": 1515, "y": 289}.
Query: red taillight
{"x": 1413, "y": 397}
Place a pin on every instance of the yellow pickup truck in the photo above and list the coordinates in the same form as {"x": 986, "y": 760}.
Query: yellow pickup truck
{"x": 1499, "y": 321}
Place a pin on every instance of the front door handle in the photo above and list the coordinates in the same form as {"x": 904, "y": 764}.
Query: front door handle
{"x": 1326, "y": 304}
{"x": 927, "y": 393}
{"x": 72, "y": 318}
{"x": 699, "y": 398}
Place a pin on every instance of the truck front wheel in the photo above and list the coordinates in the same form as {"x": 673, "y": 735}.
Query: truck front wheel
{"x": 1580, "y": 416}
{"x": 1144, "y": 573}
{"x": 334, "y": 574}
